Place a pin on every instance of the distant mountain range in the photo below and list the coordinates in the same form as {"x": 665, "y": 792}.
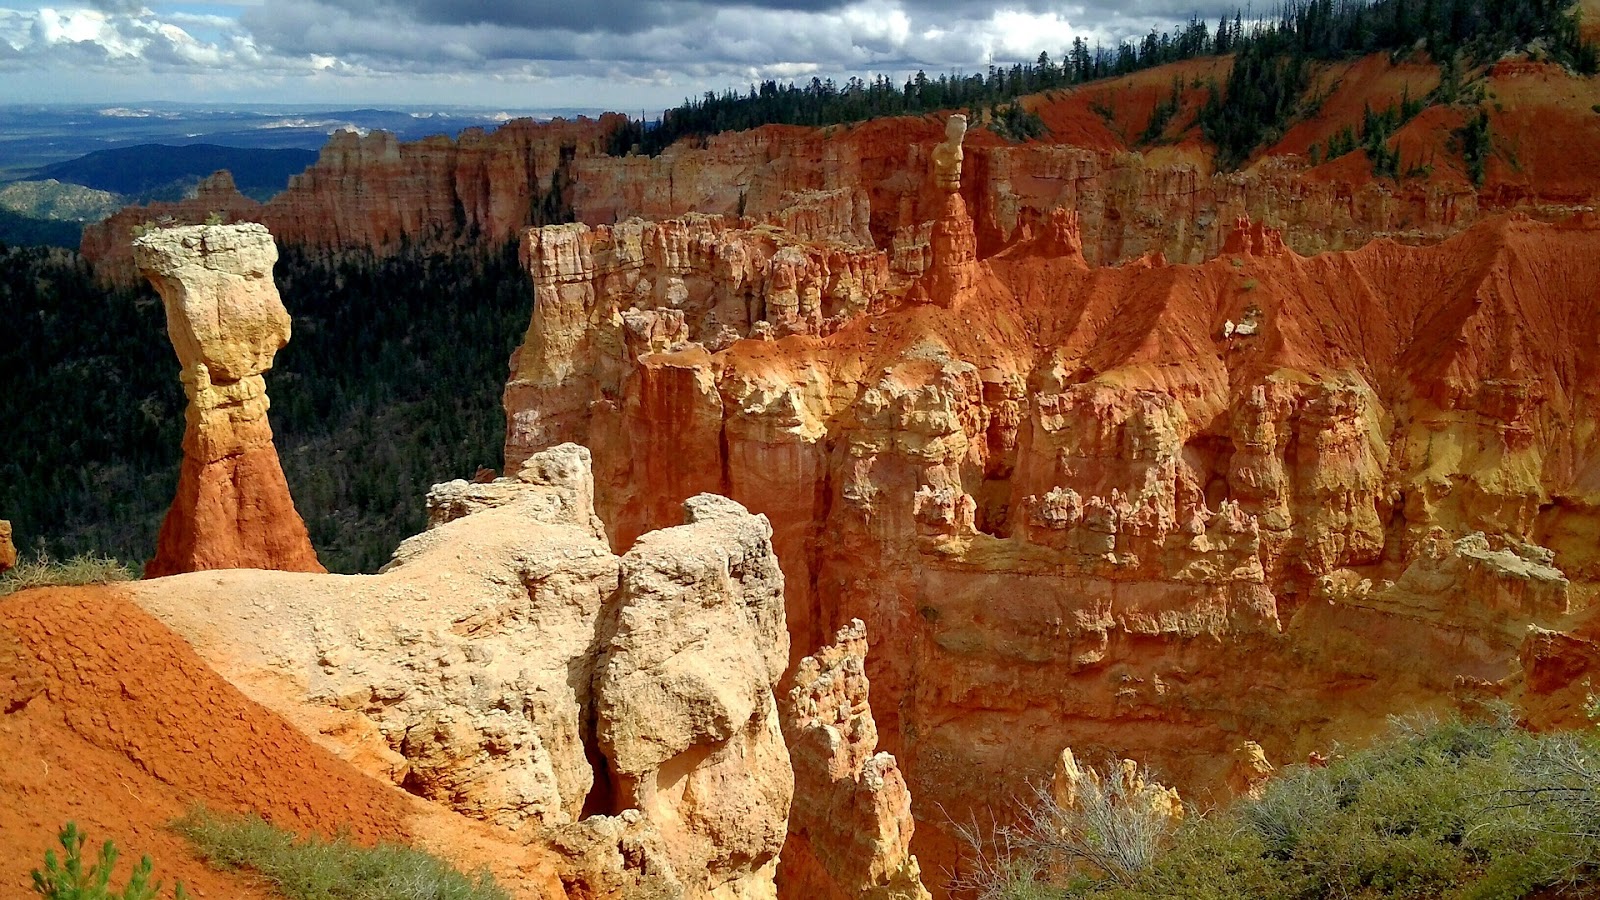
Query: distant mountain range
{"x": 36, "y": 136}
{"x": 164, "y": 172}
{"x": 61, "y": 166}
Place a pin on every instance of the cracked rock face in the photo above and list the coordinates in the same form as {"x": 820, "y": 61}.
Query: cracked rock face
{"x": 508, "y": 665}
{"x": 687, "y": 717}
{"x": 226, "y": 322}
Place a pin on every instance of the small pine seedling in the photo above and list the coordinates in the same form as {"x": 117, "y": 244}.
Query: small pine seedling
{"x": 67, "y": 880}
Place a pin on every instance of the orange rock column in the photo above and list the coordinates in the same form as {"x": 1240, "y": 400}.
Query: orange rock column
{"x": 226, "y": 322}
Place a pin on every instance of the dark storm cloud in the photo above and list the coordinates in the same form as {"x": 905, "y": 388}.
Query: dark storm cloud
{"x": 633, "y": 16}
{"x": 689, "y": 35}
{"x": 612, "y": 16}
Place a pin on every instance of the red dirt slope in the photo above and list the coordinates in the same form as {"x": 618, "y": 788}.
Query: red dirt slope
{"x": 108, "y": 719}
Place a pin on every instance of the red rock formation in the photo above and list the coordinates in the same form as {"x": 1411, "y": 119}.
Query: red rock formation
{"x": 852, "y": 185}
{"x": 1152, "y": 511}
{"x": 372, "y": 190}
{"x": 850, "y": 827}
{"x": 233, "y": 508}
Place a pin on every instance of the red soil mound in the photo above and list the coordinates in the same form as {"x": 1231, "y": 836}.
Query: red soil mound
{"x": 109, "y": 719}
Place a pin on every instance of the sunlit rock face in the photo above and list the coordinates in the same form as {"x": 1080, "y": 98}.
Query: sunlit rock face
{"x": 226, "y": 322}
{"x": 863, "y": 184}
{"x": 851, "y": 826}
{"x": 1155, "y": 512}
{"x": 620, "y": 709}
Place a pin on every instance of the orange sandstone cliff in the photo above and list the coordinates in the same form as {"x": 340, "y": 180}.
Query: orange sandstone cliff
{"x": 226, "y": 321}
{"x": 850, "y": 184}
{"x": 1152, "y": 511}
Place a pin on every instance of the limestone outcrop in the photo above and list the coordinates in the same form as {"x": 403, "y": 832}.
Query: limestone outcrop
{"x": 1074, "y": 509}
{"x": 851, "y": 826}
{"x": 226, "y": 322}
{"x": 667, "y": 294}
{"x": 684, "y": 696}
{"x": 508, "y": 665}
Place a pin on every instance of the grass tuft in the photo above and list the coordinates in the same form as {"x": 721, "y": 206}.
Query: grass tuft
{"x": 314, "y": 869}
{"x": 44, "y": 571}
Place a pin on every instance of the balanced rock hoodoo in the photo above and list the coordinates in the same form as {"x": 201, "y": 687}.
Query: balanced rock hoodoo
{"x": 226, "y": 322}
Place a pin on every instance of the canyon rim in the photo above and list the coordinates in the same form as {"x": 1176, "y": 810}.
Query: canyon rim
{"x": 857, "y": 481}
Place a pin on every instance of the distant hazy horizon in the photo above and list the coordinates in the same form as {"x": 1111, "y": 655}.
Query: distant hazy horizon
{"x": 34, "y": 135}
{"x": 638, "y": 56}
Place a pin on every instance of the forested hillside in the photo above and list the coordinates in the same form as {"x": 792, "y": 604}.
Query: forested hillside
{"x": 391, "y": 383}
{"x": 1263, "y": 91}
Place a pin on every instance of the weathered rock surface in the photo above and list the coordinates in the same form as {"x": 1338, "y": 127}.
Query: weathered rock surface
{"x": 684, "y": 695}
{"x": 667, "y": 294}
{"x": 1074, "y": 509}
{"x": 111, "y": 720}
{"x": 8, "y": 549}
{"x": 852, "y": 184}
{"x": 226, "y": 322}
{"x": 851, "y": 826}
{"x": 110, "y": 242}
{"x": 507, "y": 665}
{"x": 1121, "y": 781}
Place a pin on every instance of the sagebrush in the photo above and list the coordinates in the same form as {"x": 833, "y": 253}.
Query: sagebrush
{"x": 44, "y": 571}
{"x": 1468, "y": 811}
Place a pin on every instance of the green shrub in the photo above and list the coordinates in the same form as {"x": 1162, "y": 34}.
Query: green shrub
{"x": 66, "y": 879}
{"x": 43, "y": 571}
{"x": 314, "y": 869}
{"x": 1443, "y": 810}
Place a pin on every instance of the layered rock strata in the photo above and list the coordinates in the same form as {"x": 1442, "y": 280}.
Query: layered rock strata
{"x": 670, "y": 293}
{"x": 851, "y": 826}
{"x": 1075, "y": 508}
{"x": 507, "y": 665}
{"x": 226, "y": 322}
{"x": 850, "y": 184}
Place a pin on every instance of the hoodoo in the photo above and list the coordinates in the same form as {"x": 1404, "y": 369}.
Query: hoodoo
{"x": 1075, "y": 508}
{"x": 850, "y": 829}
{"x": 226, "y": 322}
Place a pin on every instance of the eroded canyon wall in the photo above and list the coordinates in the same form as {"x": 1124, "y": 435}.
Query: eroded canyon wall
{"x": 854, "y": 183}
{"x": 1152, "y": 511}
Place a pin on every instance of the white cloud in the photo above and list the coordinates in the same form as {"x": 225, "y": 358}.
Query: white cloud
{"x": 494, "y": 51}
